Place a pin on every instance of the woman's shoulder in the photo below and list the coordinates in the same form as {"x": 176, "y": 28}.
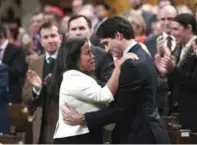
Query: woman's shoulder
{"x": 74, "y": 73}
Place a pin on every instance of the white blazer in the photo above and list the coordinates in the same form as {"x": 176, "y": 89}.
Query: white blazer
{"x": 84, "y": 94}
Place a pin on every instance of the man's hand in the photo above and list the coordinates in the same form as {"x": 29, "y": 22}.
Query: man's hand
{"x": 165, "y": 64}
{"x": 170, "y": 62}
{"x": 194, "y": 46}
{"x": 160, "y": 65}
{"x": 34, "y": 79}
{"x": 47, "y": 79}
{"x": 162, "y": 49}
{"x": 71, "y": 116}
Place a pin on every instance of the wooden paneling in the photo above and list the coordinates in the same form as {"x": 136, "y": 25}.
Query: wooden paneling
{"x": 119, "y": 6}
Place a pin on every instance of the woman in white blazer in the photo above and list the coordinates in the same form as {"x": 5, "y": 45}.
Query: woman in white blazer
{"x": 74, "y": 75}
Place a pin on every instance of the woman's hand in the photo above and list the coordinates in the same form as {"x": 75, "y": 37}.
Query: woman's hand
{"x": 127, "y": 56}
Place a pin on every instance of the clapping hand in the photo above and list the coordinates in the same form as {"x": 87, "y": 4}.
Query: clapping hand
{"x": 162, "y": 49}
{"x": 194, "y": 46}
{"x": 47, "y": 79}
{"x": 34, "y": 79}
{"x": 165, "y": 64}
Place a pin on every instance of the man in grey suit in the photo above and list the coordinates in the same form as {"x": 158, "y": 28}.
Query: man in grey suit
{"x": 80, "y": 26}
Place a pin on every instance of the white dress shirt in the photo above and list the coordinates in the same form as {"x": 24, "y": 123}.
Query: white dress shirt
{"x": 133, "y": 42}
{"x": 54, "y": 56}
{"x": 173, "y": 41}
{"x": 3, "y": 47}
{"x": 84, "y": 94}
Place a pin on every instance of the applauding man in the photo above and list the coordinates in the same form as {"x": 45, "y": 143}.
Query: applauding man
{"x": 39, "y": 73}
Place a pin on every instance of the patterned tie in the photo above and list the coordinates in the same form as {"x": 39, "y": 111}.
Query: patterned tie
{"x": 169, "y": 42}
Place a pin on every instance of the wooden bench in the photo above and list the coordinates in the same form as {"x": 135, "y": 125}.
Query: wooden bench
{"x": 183, "y": 137}
{"x": 20, "y": 122}
{"x": 11, "y": 139}
{"x": 178, "y": 135}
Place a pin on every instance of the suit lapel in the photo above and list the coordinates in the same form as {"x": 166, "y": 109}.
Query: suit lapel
{"x": 40, "y": 66}
{"x": 135, "y": 48}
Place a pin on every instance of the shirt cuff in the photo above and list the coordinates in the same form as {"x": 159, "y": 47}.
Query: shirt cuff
{"x": 36, "y": 91}
{"x": 108, "y": 94}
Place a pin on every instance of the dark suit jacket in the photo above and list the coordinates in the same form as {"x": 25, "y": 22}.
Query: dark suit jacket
{"x": 163, "y": 88}
{"x": 151, "y": 44}
{"x": 104, "y": 65}
{"x": 134, "y": 110}
{"x": 4, "y": 123}
{"x": 14, "y": 58}
{"x": 184, "y": 83}
{"x": 147, "y": 16}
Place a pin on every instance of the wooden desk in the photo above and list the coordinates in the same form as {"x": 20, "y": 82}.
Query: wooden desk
{"x": 19, "y": 123}
{"x": 11, "y": 139}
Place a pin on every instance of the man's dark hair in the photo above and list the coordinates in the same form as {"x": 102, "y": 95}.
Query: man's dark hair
{"x": 105, "y": 5}
{"x": 55, "y": 16}
{"x": 74, "y": 17}
{"x": 112, "y": 25}
{"x": 185, "y": 20}
{"x": 47, "y": 25}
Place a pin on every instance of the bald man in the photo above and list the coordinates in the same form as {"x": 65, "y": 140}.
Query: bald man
{"x": 165, "y": 17}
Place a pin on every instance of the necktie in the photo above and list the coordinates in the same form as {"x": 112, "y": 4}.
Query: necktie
{"x": 169, "y": 42}
{"x": 50, "y": 59}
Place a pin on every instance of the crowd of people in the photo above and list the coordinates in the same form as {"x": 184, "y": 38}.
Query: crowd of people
{"x": 88, "y": 77}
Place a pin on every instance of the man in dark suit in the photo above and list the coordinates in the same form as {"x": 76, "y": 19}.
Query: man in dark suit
{"x": 80, "y": 26}
{"x": 4, "y": 87}
{"x": 134, "y": 109}
{"x": 165, "y": 17}
{"x": 181, "y": 69}
{"x": 14, "y": 58}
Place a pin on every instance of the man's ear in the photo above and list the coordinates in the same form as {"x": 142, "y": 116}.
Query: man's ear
{"x": 119, "y": 36}
{"x": 189, "y": 27}
{"x": 61, "y": 37}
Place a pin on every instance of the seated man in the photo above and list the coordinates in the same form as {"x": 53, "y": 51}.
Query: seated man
{"x": 4, "y": 126}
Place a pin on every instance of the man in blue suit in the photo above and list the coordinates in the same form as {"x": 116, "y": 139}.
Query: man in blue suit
{"x": 4, "y": 124}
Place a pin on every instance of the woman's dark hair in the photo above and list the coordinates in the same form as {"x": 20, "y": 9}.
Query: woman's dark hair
{"x": 67, "y": 59}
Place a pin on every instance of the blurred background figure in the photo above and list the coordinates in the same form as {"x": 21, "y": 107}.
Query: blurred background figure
{"x": 138, "y": 24}
{"x": 103, "y": 10}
